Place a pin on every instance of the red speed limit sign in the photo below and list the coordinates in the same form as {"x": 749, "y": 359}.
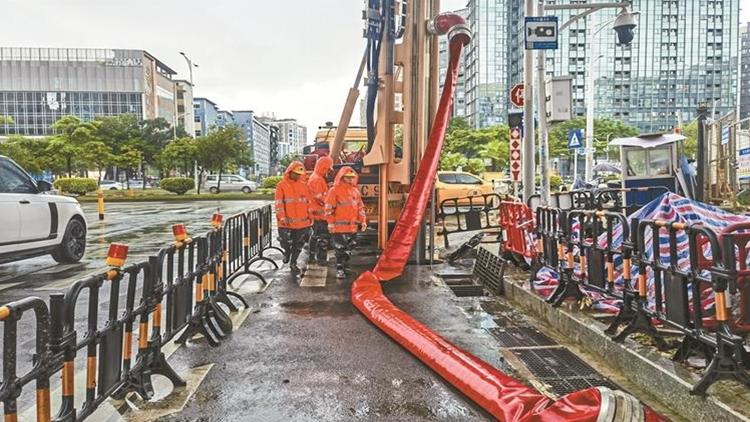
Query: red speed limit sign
{"x": 516, "y": 95}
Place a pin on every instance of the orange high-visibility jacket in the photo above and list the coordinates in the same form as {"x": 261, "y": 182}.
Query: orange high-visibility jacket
{"x": 319, "y": 187}
{"x": 293, "y": 201}
{"x": 344, "y": 207}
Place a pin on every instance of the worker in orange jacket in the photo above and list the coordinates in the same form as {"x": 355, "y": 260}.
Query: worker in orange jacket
{"x": 319, "y": 190}
{"x": 345, "y": 213}
{"x": 293, "y": 213}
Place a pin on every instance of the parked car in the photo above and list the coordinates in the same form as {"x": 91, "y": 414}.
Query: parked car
{"x": 456, "y": 184}
{"x": 229, "y": 183}
{"x": 110, "y": 185}
{"x": 34, "y": 222}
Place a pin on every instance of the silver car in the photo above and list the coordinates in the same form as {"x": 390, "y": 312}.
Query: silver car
{"x": 229, "y": 183}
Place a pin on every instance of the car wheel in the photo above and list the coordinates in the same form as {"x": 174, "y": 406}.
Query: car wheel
{"x": 112, "y": 188}
{"x": 214, "y": 190}
{"x": 73, "y": 244}
{"x": 246, "y": 189}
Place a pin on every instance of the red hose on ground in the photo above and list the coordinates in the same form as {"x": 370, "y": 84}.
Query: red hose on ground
{"x": 502, "y": 396}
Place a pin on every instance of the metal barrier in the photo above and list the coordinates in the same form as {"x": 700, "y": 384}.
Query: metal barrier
{"x": 580, "y": 199}
{"x": 470, "y": 213}
{"x": 627, "y": 200}
{"x": 176, "y": 292}
{"x": 586, "y": 248}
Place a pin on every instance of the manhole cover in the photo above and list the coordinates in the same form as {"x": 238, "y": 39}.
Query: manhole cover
{"x": 521, "y": 337}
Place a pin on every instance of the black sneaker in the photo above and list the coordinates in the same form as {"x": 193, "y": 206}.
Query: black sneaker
{"x": 294, "y": 269}
{"x": 285, "y": 259}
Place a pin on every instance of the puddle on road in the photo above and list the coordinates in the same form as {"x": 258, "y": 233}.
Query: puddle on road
{"x": 320, "y": 308}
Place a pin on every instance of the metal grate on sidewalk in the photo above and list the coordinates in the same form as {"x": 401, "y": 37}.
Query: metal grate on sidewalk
{"x": 512, "y": 337}
{"x": 489, "y": 269}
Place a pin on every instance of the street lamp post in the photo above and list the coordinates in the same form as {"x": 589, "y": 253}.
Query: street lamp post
{"x": 624, "y": 24}
{"x": 195, "y": 163}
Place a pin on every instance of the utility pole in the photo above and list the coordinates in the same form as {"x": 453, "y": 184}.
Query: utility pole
{"x": 701, "y": 165}
{"x": 192, "y": 86}
{"x": 527, "y": 157}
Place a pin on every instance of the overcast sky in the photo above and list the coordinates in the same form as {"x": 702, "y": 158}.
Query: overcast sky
{"x": 294, "y": 58}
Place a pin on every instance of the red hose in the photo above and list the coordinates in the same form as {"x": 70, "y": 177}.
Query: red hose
{"x": 502, "y": 396}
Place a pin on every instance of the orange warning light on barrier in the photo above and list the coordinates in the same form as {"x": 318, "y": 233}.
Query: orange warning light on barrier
{"x": 217, "y": 220}
{"x": 180, "y": 232}
{"x": 117, "y": 254}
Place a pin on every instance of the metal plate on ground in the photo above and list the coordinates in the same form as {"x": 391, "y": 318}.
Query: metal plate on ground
{"x": 563, "y": 371}
{"x": 511, "y": 337}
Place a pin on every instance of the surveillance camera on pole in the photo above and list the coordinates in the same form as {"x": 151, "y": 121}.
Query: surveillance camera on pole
{"x": 624, "y": 24}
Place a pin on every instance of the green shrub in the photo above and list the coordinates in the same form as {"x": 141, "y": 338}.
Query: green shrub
{"x": 555, "y": 181}
{"x": 76, "y": 185}
{"x": 270, "y": 182}
{"x": 178, "y": 185}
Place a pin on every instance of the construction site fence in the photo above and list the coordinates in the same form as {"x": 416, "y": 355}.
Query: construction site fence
{"x": 686, "y": 279}
{"x": 177, "y": 293}
{"x": 470, "y": 213}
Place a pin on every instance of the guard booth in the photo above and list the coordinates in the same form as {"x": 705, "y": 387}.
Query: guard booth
{"x": 651, "y": 161}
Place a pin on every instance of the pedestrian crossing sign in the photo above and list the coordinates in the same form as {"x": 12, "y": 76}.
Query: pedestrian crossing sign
{"x": 574, "y": 138}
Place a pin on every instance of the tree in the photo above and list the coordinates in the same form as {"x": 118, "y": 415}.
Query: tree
{"x": 287, "y": 160}
{"x": 691, "y": 143}
{"x": 498, "y": 151}
{"x": 223, "y": 148}
{"x": 6, "y": 120}
{"x": 179, "y": 153}
{"x": 28, "y": 153}
{"x": 98, "y": 154}
{"x": 604, "y": 131}
{"x": 71, "y": 135}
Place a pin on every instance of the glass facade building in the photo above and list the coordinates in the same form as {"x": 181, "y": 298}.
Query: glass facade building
{"x": 38, "y": 86}
{"x": 684, "y": 51}
{"x": 459, "y": 101}
{"x": 745, "y": 72}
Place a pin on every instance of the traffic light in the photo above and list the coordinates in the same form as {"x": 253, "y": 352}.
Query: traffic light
{"x": 515, "y": 118}
{"x": 624, "y": 25}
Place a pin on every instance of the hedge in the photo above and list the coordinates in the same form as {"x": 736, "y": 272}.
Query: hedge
{"x": 76, "y": 185}
{"x": 178, "y": 185}
{"x": 270, "y": 182}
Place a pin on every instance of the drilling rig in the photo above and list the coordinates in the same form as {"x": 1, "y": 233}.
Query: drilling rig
{"x": 400, "y": 66}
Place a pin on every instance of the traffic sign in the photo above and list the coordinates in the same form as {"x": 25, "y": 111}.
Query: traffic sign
{"x": 725, "y": 135}
{"x": 581, "y": 151}
{"x": 540, "y": 32}
{"x": 574, "y": 138}
{"x": 516, "y": 95}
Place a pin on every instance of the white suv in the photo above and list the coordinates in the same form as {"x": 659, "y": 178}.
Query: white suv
{"x": 34, "y": 222}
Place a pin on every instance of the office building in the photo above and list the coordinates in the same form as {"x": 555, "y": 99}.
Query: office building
{"x": 258, "y": 137}
{"x": 459, "y": 99}
{"x": 273, "y": 157}
{"x": 683, "y": 52}
{"x": 292, "y": 135}
{"x": 205, "y": 114}
{"x": 38, "y": 86}
{"x": 185, "y": 114}
{"x": 745, "y": 72}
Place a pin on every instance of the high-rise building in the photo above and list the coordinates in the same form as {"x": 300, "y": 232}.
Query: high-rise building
{"x": 745, "y": 72}
{"x": 459, "y": 99}
{"x": 258, "y": 137}
{"x": 683, "y": 52}
{"x": 38, "y": 86}
{"x": 274, "y": 156}
{"x": 292, "y": 135}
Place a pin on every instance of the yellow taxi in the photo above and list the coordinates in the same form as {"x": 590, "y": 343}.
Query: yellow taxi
{"x": 456, "y": 184}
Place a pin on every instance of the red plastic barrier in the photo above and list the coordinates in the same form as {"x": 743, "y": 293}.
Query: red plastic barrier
{"x": 502, "y": 396}
{"x": 517, "y": 222}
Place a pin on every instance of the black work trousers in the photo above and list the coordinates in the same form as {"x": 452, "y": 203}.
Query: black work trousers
{"x": 319, "y": 241}
{"x": 292, "y": 241}
{"x": 344, "y": 244}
